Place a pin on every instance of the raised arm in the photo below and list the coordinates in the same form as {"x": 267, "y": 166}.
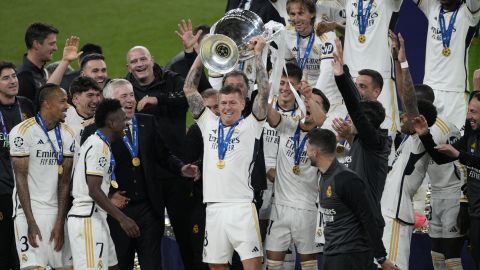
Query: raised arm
{"x": 190, "y": 88}
{"x": 20, "y": 168}
{"x": 69, "y": 54}
{"x": 260, "y": 105}
{"x": 408, "y": 92}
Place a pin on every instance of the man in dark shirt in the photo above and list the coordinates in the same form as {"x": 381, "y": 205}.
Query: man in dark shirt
{"x": 160, "y": 93}
{"x": 41, "y": 42}
{"x": 13, "y": 110}
{"x": 351, "y": 234}
{"x": 466, "y": 150}
{"x": 183, "y": 61}
{"x": 263, "y": 8}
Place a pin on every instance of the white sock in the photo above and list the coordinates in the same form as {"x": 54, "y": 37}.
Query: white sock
{"x": 454, "y": 264}
{"x": 438, "y": 260}
{"x": 274, "y": 265}
{"x": 309, "y": 265}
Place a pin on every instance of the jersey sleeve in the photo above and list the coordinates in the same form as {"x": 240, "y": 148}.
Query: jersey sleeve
{"x": 473, "y": 11}
{"x": 396, "y": 4}
{"x": 206, "y": 116}
{"x": 19, "y": 142}
{"x": 256, "y": 125}
{"x": 287, "y": 125}
{"x": 97, "y": 160}
{"x": 423, "y": 5}
{"x": 68, "y": 138}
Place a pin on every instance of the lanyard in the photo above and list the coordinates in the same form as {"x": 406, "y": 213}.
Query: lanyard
{"x": 298, "y": 146}
{"x": 132, "y": 146}
{"x": 224, "y": 142}
{"x": 302, "y": 62}
{"x": 363, "y": 16}
{"x": 277, "y": 108}
{"x": 447, "y": 32}
{"x": 112, "y": 159}
{"x": 58, "y": 136}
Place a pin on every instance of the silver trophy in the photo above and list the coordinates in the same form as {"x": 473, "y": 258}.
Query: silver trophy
{"x": 228, "y": 42}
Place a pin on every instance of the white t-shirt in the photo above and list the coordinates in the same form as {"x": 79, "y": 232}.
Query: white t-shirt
{"x": 448, "y": 73}
{"x": 299, "y": 191}
{"x": 445, "y": 179}
{"x": 75, "y": 121}
{"x": 407, "y": 174}
{"x": 94, "y": 160}
{"x": 375, "y": 52}
{"x": 232, "y": 183}
{"x": 27, "y": 139}
{"x": 270, "y": 137}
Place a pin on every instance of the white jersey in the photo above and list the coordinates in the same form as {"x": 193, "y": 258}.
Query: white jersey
{"x": 76, "y": 122}
{"x": 330, "y": 10}
{"x": 448, "y": 73}
{"x": 270, "y": 136}
{"x": 232, "y": 183}
{"x": 297, "y": 191}
{"x": 94, "y": 160}
{"x": 29, "y": 140}
{"x": 358, "y": 55}
{"x": 445, "y": 179}
{"x": 312, "y": 65}
{"x": 407, "y": 174}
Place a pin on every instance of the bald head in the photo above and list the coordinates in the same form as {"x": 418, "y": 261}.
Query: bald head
{"x": 140, "y": 63}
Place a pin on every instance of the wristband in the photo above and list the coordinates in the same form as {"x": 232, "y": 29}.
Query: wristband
{"x": 404, "y": 64}
{"x": 381, "y": 260}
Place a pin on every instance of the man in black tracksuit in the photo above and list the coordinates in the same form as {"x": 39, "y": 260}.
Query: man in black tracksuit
{"x": 467, "y": 151}
{"x": 351, "y": 233}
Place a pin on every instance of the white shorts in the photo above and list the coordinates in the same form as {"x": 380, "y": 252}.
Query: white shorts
{"x": 92, "y": 245}
{"x": 388, "y": 98}
{"x": 336, "y": 111}
{"x": 319, "y": 235}
{"x": 267, "y": 197}
{"x": 396, "y": 239}
{"x": 229, "y": 227}
{"x": 289, "y": 224}
{"x": 443, "y": 222}
{"x": 44, "y": 255}
{"x": 452, "y": 106}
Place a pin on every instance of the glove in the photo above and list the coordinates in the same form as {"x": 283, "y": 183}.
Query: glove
{"x": 463, "y": 218}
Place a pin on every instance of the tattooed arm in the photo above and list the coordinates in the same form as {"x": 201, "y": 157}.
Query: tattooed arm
{"x": 63, "y": 192}
{"x": 190, "y": 88}
{"x": 20, "y": 168}
{"x": 260, "y": 105}
{"x": 408, "y": 92}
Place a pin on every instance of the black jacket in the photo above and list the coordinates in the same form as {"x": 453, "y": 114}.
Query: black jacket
{"x": 347, "y": 211}
{"x": 368, "y": 156}
{"x": 171, "y": 110}
{"x": 156, "y": 159}
{"x": 30, "y": 79}
{"x": 263, "y": 8}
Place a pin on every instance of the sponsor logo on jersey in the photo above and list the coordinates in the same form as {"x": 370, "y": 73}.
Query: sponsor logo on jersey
{"x": 40, "y": 142}
{"x": 327, "y": 48}
{"x": 255, "y": 249}
{"x": 18, "y": 141}
{"x": 453, "y": 229}
{"x": 102, "y": 161}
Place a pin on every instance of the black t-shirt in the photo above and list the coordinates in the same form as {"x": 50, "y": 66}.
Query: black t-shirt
{"x": 30, "y": 79}
{"x": 12, "y": 115}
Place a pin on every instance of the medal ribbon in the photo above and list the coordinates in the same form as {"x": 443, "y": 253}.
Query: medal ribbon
{"x": 298, "y": 148}
{"x": 4, "y": 126}
{"x": 58, "y": 136}
{"x": 132, "y": 146}
{"x": 363, "y": 16}
{"x": 224, "y": 142}
{"x": 447, "y": 32}
{"x": 302, "y": 62}
{"x": 112, "y": 159}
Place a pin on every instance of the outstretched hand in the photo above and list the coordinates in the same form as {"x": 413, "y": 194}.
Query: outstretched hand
{"x": 257, "y": 44}
{"x": 185, "y": 33}
{"x": 70, "y": 50}
{"x": 337, "y": 63}
{"x": 420, "y": 125}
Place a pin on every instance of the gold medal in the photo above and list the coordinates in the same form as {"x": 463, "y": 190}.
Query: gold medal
{"x": 362, "y": 38}
{"x": 340, "y": 148}
{"x": 60, "y": 169}
{"x": 446, "y": 52}
{"x": 221, "y": 164}
{"x": 136, "y": 161}
{"x": 114, "y": 184}
{"x": 296, "y": 169}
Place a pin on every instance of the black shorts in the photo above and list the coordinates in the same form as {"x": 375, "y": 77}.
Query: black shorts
{"x": 350, "y": 261}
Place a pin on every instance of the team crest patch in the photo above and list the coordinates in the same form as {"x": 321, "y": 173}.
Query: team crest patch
{"x": 24, "y": 258}
{"x": 249, "y": 68}
{"x": 100, "y": 264}
{"x": 1, "y": 216}
{"x": 18, "y": 141}
{"x": 315, "y": 49}
{"x": 319, "y": 232}
{"x": 195, "y": 229}
{"x": 329, "y": 192}
{"x": 102, "y": 161}
{"x": 472, "y": 147}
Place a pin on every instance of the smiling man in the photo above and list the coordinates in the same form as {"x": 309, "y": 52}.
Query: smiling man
{"x": 94, "y": 66}
{"x": 41, "y": 42}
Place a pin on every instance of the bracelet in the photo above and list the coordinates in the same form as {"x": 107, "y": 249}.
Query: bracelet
{"x": 404, "y": 64}
{"x": 381, "y": 260}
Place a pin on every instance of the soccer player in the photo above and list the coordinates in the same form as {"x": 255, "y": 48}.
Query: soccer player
{"x": 229, "y": 140}
{"x": 41, "y": 151}
{"x": 366, "y": 29}
{"x": 351, "y": 235}
{"x": 13, "y": 110}
{"x": 86, "y": 95}
{"x": 94, "y": 66}
{"x": 451, "y": 27}
{"x": 296, "y": 185}
{"x": 92, "y": 246}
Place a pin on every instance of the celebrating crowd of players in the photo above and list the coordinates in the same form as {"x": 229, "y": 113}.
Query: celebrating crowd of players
{"x": 330, "y": 152}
